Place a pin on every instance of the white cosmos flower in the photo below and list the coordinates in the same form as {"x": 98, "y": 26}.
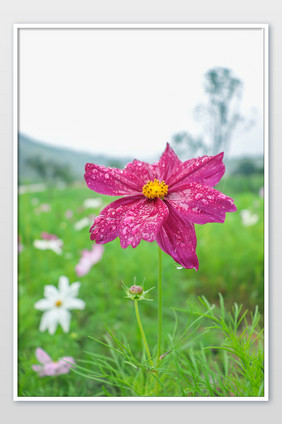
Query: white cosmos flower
{"x": 57, "y": 305}
{"x": 248, "y": 218}
{"x": 55, "y": 245}
{"x": 84, "y": 222}
{"x": 92, "y": 203}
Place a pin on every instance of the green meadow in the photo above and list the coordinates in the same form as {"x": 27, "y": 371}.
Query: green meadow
{"x": 208, "y": 350}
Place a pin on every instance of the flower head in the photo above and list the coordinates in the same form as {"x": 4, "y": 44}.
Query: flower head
{"x": 48, "y": 236}
{"x": 57, "y": 305}
{"x": 49, "y": 367}
{"x": 248, "y": 218}
{"x": 160, "y": 202}
{"x": 49, "y": 242}
{"x": 92, "y": 203}
{"x": 88, "y": 259}
{"x": 136, "y": 292}
{"x": 82, "y": 223}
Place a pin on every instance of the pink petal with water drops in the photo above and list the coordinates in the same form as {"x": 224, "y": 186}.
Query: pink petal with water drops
{"x": 106, "y": 226}
{"x": 142, "y": 221}
{"x": 168, "y": 164}
{"x": 139, "y": 172}
{"x": 178, "y": 239}
{"x": 201, "y": 204}
{"x": 110, "y": 181}
{"x": 207, "y": 170}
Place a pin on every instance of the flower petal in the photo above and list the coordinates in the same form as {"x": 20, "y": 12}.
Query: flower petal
{"x": 51, "y": 369}
{"x": 44, "y": 305}
{"x": 49, "y": 321}
{"x": 64, "y": 318}
{"x": 63, "y": 285}
{"x": 201, "y": 204}
{"x": 73, "y": 290}
{"x": 106, "y": 226}
{"x": 178, "y": 239}
{"x": 142, "y": 221}
{"x": 37, "y": 368}
{"x": 110, "y": 181}
{"x": 51, "y": 292}
{"x": 167, "y": 165}
{"x": 67, "y": 359}
{"x": 71, "y": 303}
{"x": 88, "y": 259}
{"x": 139, "y": 172}
{"x": 42, "y": 356}
{"x": 206, "y": 170}
{"x": 64, "y": 367}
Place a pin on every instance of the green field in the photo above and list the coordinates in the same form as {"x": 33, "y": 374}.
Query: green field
{"x": 231, "y": 262}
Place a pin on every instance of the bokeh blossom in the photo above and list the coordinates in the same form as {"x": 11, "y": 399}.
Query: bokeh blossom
{"x": 49, "y": 367}
{"x": 44, "y": 207}
{"x": 160, "y": 202}
{"x": 88, "y": 259}
{"x": 248, "y": 218}
{"x": 82, "y": 223}
{"x": 92, "y": 203}
{"x": 48, "y": 236}
{"x": 20, "y": 245}
{"x": 57, "y": 305}
{"x": 51, "y": 243}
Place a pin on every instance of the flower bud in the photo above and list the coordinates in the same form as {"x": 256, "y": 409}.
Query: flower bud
{"x": 136, "y": 289}
{"x": 135, "y": 292}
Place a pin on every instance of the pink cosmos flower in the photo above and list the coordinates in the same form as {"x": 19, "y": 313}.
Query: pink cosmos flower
{"x": 160, "y": 202}
{"x": 49, "y": 367}
{"x": 48, "y": 236}
{"x": 88, "y": 259}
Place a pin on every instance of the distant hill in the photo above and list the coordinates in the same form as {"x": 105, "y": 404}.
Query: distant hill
{"x": 32, "y": 152}
{"x": 67, "y": 165}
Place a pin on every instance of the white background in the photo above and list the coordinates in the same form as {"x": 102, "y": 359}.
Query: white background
{"x": 67, "y": 11}
{"x": 128, "y": 91}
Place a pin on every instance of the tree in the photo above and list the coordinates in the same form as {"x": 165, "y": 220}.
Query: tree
{"x": 219, "y": 116}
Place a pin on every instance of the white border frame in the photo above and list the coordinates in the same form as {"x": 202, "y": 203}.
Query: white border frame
{"x": 265, "y": 31}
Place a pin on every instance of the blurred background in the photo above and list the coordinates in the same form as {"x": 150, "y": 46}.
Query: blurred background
{"x": 109, "y": 96}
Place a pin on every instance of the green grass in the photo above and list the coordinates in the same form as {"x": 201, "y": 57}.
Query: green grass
{"x": 231, "y": 262}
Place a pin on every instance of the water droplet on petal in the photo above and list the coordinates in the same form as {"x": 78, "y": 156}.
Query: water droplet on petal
{"x": 107, "y": 176}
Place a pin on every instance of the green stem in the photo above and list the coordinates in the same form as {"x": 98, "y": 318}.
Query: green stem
{"x": 142, "y": 332}
{"x": 159, "y": 306}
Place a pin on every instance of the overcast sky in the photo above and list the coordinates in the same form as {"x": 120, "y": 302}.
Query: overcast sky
{"x": 126, "y": 92}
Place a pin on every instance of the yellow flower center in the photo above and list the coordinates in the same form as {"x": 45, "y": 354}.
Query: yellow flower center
{"x": 155, "y": 189}
{"x": 58, "y": 303}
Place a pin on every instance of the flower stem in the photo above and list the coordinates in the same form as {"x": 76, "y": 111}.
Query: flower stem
{"x": 142, "y": 332}
{"x": 159, "y": 306}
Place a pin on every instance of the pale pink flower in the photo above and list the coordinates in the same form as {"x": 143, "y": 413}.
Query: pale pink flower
{"x": 44, "y": 207}
{"x": 160, "y": 202}
{"x": 20, "y": 245}
{"x": 88, "y": 259}
{"x": 69, "y": 214}
{"x": 49, "y": 367}
{"x": 261, "y": 192}
{"x": 48, "y": 236}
